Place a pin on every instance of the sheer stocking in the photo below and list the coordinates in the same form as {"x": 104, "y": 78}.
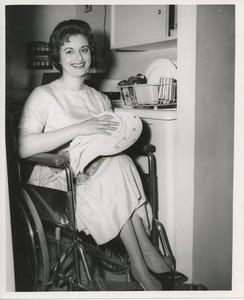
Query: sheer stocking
{"x": 151, "y": 256}
{"x": 138, "y": 267}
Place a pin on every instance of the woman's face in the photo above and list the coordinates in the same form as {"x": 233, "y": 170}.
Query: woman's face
{"x": 75, "y": 56}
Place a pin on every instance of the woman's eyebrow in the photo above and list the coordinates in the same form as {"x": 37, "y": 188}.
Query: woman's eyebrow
{"x": 67, "y": 48}
{"x": 85, "y": 46}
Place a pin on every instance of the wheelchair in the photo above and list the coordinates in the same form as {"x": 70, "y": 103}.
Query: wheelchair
{"x": 49, "y": 253}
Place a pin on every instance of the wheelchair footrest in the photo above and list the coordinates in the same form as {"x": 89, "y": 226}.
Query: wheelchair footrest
{"x": 106, "y": 285}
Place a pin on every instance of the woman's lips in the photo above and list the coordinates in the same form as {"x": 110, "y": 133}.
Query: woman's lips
{"x": 79, "y": 66}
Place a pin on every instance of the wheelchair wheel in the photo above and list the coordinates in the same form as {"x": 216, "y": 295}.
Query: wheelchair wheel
{"x": 31, "y": 255}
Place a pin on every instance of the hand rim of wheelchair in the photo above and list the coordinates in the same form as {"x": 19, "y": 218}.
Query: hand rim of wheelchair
{"x": 36, "y": 247}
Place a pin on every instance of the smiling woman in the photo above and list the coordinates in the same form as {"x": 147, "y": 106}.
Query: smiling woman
{"x": 111, "y": 202}
{"x": 75, "y": 56}
{"x": 70, "y": 28}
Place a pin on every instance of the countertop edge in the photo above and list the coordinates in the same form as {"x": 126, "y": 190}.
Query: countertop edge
{"x": 167, "y": 114}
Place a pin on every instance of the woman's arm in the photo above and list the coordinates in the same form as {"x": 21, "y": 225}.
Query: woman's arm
{"x": 31, "y": 142}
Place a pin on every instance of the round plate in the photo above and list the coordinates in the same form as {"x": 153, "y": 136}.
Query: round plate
{"x": 161, "y": 68}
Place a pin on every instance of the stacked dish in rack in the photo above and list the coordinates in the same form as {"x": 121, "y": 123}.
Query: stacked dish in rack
{"x": 160, "y": 89}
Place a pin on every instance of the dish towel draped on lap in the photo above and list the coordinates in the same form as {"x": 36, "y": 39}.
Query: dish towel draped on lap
{"x": 83, "y": 149}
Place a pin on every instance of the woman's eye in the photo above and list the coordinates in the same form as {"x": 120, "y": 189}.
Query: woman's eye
{"x": 69, "y": 52}
{"x": 85, "y": 50}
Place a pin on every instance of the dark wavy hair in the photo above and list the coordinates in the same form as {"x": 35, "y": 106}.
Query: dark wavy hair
{"x": 61, "y": 34}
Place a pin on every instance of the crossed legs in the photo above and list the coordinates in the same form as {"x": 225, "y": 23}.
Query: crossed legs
{"x": 142, "y": 253}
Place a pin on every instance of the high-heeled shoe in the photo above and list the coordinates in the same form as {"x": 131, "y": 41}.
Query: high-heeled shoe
{"x": 169, "y": 278}
{"x": 129, "y": 273}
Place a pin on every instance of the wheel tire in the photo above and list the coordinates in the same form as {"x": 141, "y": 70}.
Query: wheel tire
{"x": 31, "y": 255}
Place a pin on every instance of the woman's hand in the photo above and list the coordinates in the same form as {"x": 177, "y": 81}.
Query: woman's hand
{"x": 102, "y": 125}
{"x": 35, "y": 142}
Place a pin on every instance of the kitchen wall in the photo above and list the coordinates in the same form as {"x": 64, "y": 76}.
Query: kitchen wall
{"x": 29, "y": 23}
{"x": 214, "y": 144}
{"x": 205, "y": 135}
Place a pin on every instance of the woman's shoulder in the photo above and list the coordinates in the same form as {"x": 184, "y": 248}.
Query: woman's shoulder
{"x": 46, "y": 88}
{"x": 42, "y": 96}
{"x": 41, "y": 90}
{"x": 44, "y": 92}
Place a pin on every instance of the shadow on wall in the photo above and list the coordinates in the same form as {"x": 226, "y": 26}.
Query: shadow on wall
{"x": 107, "y": 59}
{"x": 20, "y": 29}
{"x": 26, "y": 23}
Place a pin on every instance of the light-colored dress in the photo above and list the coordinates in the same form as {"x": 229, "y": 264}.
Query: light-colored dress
{"x": 106, "y": 199}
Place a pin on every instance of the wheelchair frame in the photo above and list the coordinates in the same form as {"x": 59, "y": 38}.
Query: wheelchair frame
{"x": 78, "y": 248}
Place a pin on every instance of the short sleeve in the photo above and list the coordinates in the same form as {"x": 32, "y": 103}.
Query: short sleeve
{"x": 35, "y": 112}
{"x": 107, "y": 102}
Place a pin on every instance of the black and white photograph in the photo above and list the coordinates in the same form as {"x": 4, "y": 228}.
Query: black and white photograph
{"x": 122, "y": 150}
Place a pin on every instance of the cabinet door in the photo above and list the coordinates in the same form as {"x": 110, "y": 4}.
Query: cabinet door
{"x": 133, "y": 25}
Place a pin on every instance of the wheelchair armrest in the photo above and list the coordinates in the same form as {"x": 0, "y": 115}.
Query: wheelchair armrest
{"x": 48, "y": 159}
{"x": 57, "y": 160}
{"x": 137, "y": 150}
{"x": 148, "y": 148}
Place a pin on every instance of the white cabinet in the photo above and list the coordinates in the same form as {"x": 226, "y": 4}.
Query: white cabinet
{"x": 139, "y": 25}
{"x": 160, "y": 130}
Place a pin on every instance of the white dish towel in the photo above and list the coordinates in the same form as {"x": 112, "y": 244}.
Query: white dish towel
{"x": 83, "y": 149}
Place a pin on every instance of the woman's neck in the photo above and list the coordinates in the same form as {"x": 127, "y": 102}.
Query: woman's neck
{"x": 74, "y": 83}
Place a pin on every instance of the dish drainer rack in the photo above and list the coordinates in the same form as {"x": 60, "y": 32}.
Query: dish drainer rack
{"x": 162, "y": 95}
